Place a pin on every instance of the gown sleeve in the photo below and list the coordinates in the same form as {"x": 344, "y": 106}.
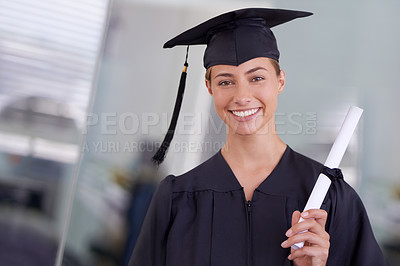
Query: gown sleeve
{"x": 150, "y": 248}
{"x": 352, "y": 240}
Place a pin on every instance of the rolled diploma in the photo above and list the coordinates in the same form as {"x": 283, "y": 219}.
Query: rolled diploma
{"x": 334, "y": 157}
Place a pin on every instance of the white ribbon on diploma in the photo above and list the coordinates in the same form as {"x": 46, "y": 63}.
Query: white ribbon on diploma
{"x": 335, "y": 156}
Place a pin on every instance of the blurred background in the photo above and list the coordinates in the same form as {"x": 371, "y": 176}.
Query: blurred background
{"x": 87, "y": 93}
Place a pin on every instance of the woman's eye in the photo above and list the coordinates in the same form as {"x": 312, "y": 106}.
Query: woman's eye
{"x": 257, "y": 79}
{"x": 224, "y": 83}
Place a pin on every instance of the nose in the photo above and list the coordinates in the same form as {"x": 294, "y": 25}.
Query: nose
{"x": 242, "y": 95}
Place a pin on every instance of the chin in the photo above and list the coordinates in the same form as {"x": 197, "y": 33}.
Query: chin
{"x": 245, "y": 134}
{"x": 243, "y": 130}
{"x": 259, "y": 128}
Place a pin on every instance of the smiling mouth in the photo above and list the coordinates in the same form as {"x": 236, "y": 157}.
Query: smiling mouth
{"x": 246, "y": 113}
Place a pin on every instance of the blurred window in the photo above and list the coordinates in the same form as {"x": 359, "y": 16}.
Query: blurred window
{"x": 50, "y": 49}
{"x": 48, "y": 55}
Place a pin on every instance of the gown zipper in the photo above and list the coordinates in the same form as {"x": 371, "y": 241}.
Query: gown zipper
{"x": 249, "y": 233}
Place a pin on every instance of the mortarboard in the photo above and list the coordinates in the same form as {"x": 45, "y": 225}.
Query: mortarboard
{"x": 232, "y": 39}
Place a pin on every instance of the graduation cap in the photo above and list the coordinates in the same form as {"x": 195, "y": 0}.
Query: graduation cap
{"x": 232, "y": 39}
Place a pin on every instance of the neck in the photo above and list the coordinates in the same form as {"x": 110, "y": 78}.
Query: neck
{"x": 255, "y": 150}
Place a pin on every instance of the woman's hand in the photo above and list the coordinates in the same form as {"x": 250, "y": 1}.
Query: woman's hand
{"x": 316, "y": 239}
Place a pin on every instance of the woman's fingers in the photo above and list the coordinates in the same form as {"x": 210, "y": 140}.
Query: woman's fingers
{"x": 319, "y": 215}
{"x": 309, "y": 237}
{"x": 295, "y": 217}
{"x": 317, "y": 252}
{"x": 310, "y": 225}
{"x": 312, "y": 232}
{"x": 313, "y": 218}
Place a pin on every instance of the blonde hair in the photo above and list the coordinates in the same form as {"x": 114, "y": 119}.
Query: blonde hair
{"x": 208, "y": 74}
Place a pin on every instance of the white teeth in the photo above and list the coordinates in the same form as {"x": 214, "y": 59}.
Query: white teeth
{"x": 245, "y": 113}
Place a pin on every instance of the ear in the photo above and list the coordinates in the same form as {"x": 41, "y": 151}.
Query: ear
{"x": 208, "y": 85}
{"x": 282, "y": 81}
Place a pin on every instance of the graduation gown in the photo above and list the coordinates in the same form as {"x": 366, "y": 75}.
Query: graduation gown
{"x": 202, "y": 218}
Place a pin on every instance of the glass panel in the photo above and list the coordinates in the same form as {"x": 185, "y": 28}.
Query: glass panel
{"x": 48, "y": 56}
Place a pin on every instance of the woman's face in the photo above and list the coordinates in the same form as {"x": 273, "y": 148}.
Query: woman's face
{"x": 245, "y": 96}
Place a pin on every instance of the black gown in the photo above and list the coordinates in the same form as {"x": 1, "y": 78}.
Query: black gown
{"x": 202, "y": 218}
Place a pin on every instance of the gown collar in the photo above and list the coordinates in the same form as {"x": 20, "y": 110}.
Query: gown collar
{"x": 281, "y": 181}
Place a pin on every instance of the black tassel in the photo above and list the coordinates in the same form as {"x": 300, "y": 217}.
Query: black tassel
{"x": 159, "y": 157}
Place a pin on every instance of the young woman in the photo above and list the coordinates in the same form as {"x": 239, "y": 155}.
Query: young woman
{"x": 240, "y": 207}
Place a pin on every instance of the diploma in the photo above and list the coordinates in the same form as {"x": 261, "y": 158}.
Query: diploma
{"x": 335, "y": 156}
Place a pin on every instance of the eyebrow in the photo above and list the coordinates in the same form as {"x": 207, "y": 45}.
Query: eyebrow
{"x": 229, "y": 75}
{"x": 255, "y": 69}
